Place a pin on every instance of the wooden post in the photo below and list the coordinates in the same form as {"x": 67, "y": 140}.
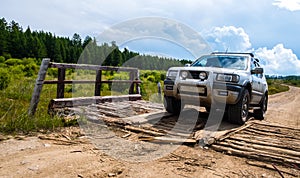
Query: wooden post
{"x": 131, "y": 78}
{"x": 137, "y": 85}
{"x": 98, "y": 83}
{"x": 38, "y": 87}
{"x": 61, "y": 85}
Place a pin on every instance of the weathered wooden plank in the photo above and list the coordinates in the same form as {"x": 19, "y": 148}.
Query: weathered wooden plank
{"x": 168, "y": 140}
{"x": 247, "y": 151}
{"x": 83, "y": 101}
{"x": 269, "y": 148}
{"x": 266, "y": 142}
{"x": 90, "y": 67}
{"x": 253, "y": 154}
{"x": 89, "y": 81}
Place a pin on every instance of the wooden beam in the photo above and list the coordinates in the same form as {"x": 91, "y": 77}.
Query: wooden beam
{"x": 83, "y": 101}
{"x": 89, "y": 67}
{"x": 38, "y": 86}
{"x": 89, "y": 81}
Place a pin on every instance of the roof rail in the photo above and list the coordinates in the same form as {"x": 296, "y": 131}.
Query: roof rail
{"x": 251, "y": 54}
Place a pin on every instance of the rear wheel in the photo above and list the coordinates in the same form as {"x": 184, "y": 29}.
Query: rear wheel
{"x": 173, "y": 105}
{"x": 260, "y": 113}
{"x": 207, "y": 109}
{"x": 238, "y": 113}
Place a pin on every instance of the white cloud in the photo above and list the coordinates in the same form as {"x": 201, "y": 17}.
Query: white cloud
{"x": 228, "y": 38}
{"x": 279, "y": 60}
{"x": 291, "y": 5}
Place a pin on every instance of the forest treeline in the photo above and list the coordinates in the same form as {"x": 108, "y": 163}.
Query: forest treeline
{"x": 18, "y": 43}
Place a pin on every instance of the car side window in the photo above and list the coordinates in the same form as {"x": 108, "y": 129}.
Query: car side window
{"x": 255, "y": 64}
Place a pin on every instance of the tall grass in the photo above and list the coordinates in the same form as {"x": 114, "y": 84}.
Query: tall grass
{"x": 14, "y": 106}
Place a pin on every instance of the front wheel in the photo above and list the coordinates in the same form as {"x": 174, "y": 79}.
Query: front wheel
{"x": 260, "y": 113}
{"x": 173, "y": 105}
{"x": 238, "y": 113}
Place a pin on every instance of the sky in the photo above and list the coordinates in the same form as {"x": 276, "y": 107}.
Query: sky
{"x": 175, "y": 28}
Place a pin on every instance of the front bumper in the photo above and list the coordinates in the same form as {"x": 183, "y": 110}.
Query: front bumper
{"x": 203, "y": 92}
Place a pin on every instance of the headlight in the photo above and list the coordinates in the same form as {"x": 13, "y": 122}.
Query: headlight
{"x": 184, "y": 74}
{"x": 228, "y": 78}
{"x": 203, "y": 75}
{"x": 172, "y": 74}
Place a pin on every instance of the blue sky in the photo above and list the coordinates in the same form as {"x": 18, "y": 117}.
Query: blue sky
{"x": 269, "y": 28}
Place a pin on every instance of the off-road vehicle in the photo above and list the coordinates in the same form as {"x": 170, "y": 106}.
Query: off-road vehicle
{"x": 233, "y": 80}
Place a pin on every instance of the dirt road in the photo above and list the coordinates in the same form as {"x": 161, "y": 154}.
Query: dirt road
{"x": 284, "y": 108}
{"x": 69, "y": 154}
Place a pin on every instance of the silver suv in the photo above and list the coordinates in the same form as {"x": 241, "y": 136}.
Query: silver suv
{"x": 235, "y": 81}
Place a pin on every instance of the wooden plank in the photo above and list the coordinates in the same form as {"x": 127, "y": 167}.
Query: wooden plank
{"x": 254, "y": 155}
{"x": 83, "y": 101}
{"x": 38, "y": 87}
{"x": 90, "y": 81}
{"x": 141, "y": 130}
{"x": 60, "y": 83}
{"x": 265, "y": 142}
{"x": 168, "y": 140}
{"x": 89, "y": 67}
{"x": 247, "y": 151}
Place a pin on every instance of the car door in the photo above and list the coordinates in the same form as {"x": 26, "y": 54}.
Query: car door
{"x": 257, "y": 84}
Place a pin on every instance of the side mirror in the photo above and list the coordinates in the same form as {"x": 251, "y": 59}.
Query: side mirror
{"x": 187, "y": 65}
{"x": 257, "y": 70}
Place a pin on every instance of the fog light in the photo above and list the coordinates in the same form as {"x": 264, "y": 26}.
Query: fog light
{"x": 223, "y": 93}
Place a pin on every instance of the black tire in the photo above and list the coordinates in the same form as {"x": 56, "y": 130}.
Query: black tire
{"x": 238, "y": 113}
{"x": 172, "y": 105}
{"x": 207, "y": 109}
{"x": 260, "y": 113}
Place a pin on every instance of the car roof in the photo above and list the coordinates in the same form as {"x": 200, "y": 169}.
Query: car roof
{"x": 232, "y": 53}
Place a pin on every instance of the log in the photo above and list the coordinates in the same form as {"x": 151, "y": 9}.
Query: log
{"x": 140, "y": 130}
{"x": 254, "y": 145}
{"x": 269, "y": 134}
{"x": 273, "y": 140}
{"x": 168, "y": 140}
{"x": 276, "y": 125}
{"x": 254, "y": 152}
{"x": 278, "y": 129}
{"x": 254, "y": 155}
{"x": 265, "y": 129}
{"x": 265, "y": 143}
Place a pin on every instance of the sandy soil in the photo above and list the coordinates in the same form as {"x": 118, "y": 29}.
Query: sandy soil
{"x": 70, "y": 154}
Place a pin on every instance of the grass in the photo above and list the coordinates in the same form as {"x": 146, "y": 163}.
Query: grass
{"x": 14, "y": 108}
{"x": 276, "y": 86}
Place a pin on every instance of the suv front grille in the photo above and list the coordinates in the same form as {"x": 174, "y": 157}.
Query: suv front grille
{"x": 195, "y": 74}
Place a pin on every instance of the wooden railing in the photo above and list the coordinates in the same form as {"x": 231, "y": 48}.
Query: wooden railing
{"x": 61, "y": 80}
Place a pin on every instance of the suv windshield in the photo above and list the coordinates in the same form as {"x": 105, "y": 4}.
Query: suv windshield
{"x": 226, "y": 61}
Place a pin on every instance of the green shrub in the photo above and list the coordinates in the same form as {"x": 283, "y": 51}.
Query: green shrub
{"x": 17, "y": 71}
{"x": 151, "y": 78}
{"x": 6, "y": 55}
{"x": 53, "y": 72}
{"x": 30, "y": 69}
{"x": 27, "y": 61}
{"x": 13, "y": 62}
{"x": 4, "y": 78}
{"x": 2, "y": 59}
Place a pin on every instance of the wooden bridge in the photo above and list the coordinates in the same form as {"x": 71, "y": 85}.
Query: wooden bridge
{"x": 147, "y": 121}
